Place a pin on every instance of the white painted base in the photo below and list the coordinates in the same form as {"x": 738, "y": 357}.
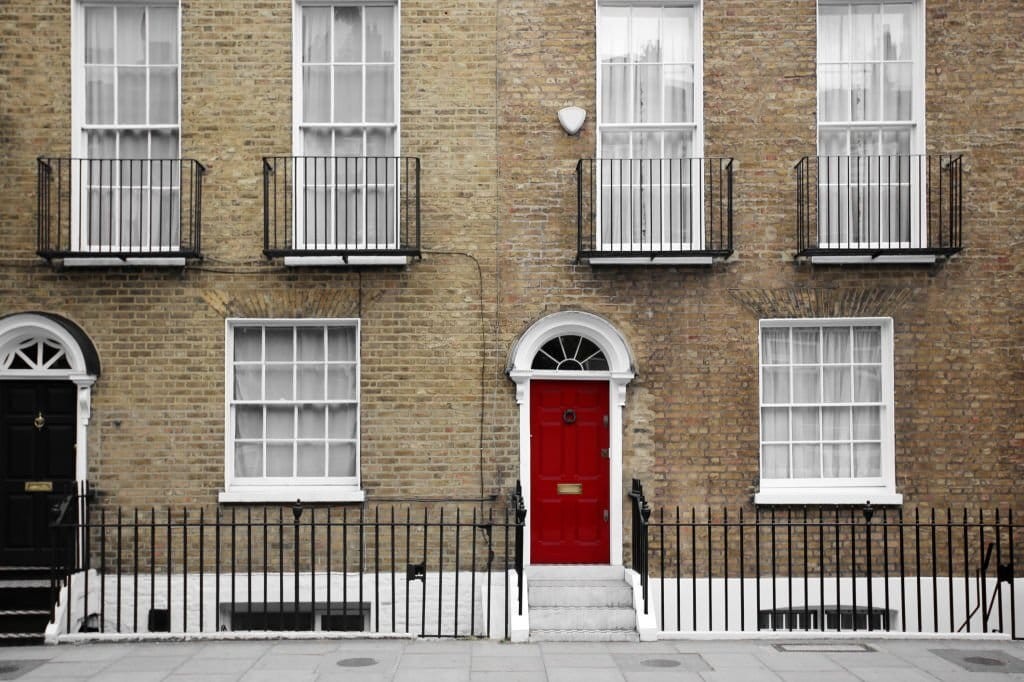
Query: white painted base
{"x": 123, "y": 263}
{"x": 657, "y": 260}
{"x": 837, "y": 496}
{"x": 894, "y": 259}
{"x": 291, "y": 494}
{"x": 336, "y": 261}
{"x": 646, "y": 623}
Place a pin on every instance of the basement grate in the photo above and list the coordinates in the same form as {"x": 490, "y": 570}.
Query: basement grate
{"x": 357, "y": 662}
{"x": 825, "y": 647}
{"x": 660, "y": 663}
{"x": 13, "y": 670}
{"x": 981, "y": 660}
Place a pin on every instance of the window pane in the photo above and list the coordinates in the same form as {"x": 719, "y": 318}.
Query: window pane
{"x": 836, "y": 344}
{"x": 316, "y": 94}
{"x": 281, "y": 422}
{"x": 101, "y": 145}
{"x": 775, "y": 424}
{"x": 380, "y": 41}
{"x": 341, "y": 343}
{"x": 310, "y": 344}
{"x": 341, "y": 421}
{"x": 348, "y": 93}
{"x": 836, "y": 460}
{"x": 315, "y": 142}
{"x": 833, "y": 93}
{"x": 776, "y": 461}
{"x": 867, "y": 423}
{"x": 806, "y": 461}
{"x": 164, "y": 145}
{"x": 248, "y": 342}
{"x": 898, "y": 92}
{"x": 805, "y": 345}
{"x": 836, "y": 386}
{"x": 776, "y": 385}
{"x": 341, "y": 382}
{"x": 647, "y": 100}
{"x": 679, "y": 94}
{"x": 615, "y": 88}
{"x": 677, "y": 34}
{"x": 867, "y": 384}
{"x": 163, "y": 96}
{"x": 775, "y": 345}
{"x": 310, "y": 382}
{"x": 311, "y": 459}
{"x": 247, "y": 382}
{"x": 131, "y": 95}
{"x": 864, "y": 44}
{"x": 99, "y": 95}
{"x": 348, "y": 142}
{"x": 279, "y": 460}
{"x": 279, "y": 344}
{"x": 835, "y": 423}
{"x": 99, "y": 35}
{"x": 316, "y": 26}
{"x": 614, "y": 41}
{"x": 163, "y": 35}
{"x": 381, "y": 142}
{"x": 831, "y": 143}
{"x": 248, "y": 422}
{"x": 867, "y": 459}
{"x": 311, "y": 422}
{"x": 248, "y": 460}
{"x": 342, "y": 459}
{"x": 895, "y": 27}
{"x": 131, "y": 35}
{"x": 805, "y": 423}
{"x": 646, "y": 44}
{"x": 380, "y": 94}
{"x": 867, "y": 344}
{"x": 864, "y": 142}
{"x": 279, "y": 382}
{"x": 348, "y": 34}
{"x": 806, "y": 382}
{"x": 833, "y": 33}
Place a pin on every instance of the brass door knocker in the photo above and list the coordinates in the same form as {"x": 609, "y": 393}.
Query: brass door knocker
{"x": 39, "y": 421}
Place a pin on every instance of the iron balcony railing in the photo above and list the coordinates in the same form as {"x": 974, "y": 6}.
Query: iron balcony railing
{"x": 880, "y": 205}
{"x": 654, "y": 208}
{"x": 119, "y": 208}
{"x": 826, "y": 569}
{"x": 341, "y": 206}
{"x": 433, "y": 572}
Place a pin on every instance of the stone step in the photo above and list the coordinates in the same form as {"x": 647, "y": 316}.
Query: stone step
{"x": 583, "y": 635}
{"x": 581, "y": 593}
{"x": 575, "y": 572}
{"x": 582, "y": 618}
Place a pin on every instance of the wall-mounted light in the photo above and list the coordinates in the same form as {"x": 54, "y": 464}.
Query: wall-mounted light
{"x": 572, "y": 119}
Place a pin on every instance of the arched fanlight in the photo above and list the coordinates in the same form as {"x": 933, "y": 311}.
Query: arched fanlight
{"x": 570, "y": 354}
{"x": 35, "y": 354}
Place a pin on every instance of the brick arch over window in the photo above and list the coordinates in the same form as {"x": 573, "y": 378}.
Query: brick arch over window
{"x": 37, "y": 345}
{"x": 563, "y": 331}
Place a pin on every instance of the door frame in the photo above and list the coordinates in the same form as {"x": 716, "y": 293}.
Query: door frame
{"x": 621, "y": 370}
{"x": 83, "y": 359}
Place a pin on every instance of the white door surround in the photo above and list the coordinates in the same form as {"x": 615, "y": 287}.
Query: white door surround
{"x": 621, "y": 370}
{"x": 20, "y": 330}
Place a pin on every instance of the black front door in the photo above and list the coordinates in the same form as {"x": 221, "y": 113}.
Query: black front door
{"x": 37, "y": 465}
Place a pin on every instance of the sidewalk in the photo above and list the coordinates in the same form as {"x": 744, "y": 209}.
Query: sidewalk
{"x": 356, "y": 660}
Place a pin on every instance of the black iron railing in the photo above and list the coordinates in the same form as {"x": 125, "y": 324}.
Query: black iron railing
{"x": 827, "y": 569}
{"x": 119, "y": 208}
{"x": 341, "y": 206}
{"x": 880, "y": 205}
{"x": 654, "y": 208}
{"x": 433, "y": 573}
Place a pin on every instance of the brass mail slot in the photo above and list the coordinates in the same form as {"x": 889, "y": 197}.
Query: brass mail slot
{"x": 570, "y": 488}
{"x": 39, "y": 486}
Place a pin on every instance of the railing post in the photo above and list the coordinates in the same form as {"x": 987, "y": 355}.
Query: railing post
{"x": 641, "y": 516}
{"x": 519, "y": 506}
{"x": 868, "y": 513}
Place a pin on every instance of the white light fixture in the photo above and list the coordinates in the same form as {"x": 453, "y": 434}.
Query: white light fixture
{"x": 572, "y": 119}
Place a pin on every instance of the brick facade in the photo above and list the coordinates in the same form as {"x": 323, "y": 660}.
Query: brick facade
{"x": 481, "y": 83}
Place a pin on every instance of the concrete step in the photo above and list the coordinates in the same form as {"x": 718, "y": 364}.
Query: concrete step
{"x": 583, "y": 635}
{"x": 575, "y": 572}
{"x": 580, "y": 593}
{"x": 582, "y": 618}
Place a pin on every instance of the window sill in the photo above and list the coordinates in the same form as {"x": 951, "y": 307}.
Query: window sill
{"x": 288, "y": 494}
{"x": 126, "y": 262}
{"x": 826, "y": 496}
{"x": 646, "y": 260}
{"x": 336, "y": 261}
{"x": 874, "y": 260}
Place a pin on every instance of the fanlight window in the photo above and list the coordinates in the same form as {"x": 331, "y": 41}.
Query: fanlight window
{"x": 36, "y": 354}
{"x": 571, "y": 354}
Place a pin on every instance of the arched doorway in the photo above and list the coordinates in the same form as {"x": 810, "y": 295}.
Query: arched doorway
{"x": 571, "y": 370}
{"x": 47, "y": 368}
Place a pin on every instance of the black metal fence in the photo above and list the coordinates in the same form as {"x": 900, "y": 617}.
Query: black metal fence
{"x": 909, "y": 204}
{"x": 341, "y": 206}
{"x": 654, "y": 208}
{"x": 119, "y": 208}
{"x": 432, "y": 572}
{"x": 826, "y": 569}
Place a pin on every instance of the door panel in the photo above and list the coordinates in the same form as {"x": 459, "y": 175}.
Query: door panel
{"x": 41, "y": 451}
{"x": 568, "y": 436}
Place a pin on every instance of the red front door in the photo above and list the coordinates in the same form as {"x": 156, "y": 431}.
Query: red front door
{"x": 569, "y": 472}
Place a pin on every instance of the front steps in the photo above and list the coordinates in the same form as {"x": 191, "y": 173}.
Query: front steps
{"x": 25, "y": 602}
{"x": 580, "y": 603}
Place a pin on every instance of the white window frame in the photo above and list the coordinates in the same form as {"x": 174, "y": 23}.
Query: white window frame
{"x": 880, "y": 490}
{"x": 916, "y": 183}
{"x": 298, "y": 126}
{"x": 696, "y": 181}
{"x": 320, "y": 489}
{"x": 79, "y": 127}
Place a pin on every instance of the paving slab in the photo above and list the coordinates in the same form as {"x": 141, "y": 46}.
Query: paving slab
{"x": 507, "y": 664}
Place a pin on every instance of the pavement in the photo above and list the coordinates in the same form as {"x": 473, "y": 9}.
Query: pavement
{"x": 365, "y": 660}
